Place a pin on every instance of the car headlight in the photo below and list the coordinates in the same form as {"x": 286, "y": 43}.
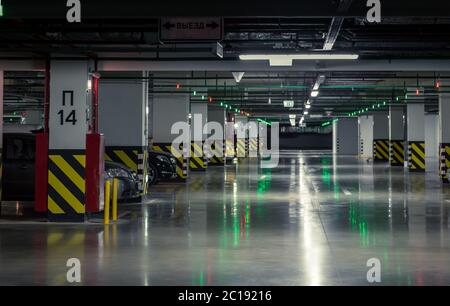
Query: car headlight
{"x": 162, "y": 158}
{"x": 117, "y": 172}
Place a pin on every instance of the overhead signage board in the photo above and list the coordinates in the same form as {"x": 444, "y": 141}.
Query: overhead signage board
{"x": 190, "y": 29}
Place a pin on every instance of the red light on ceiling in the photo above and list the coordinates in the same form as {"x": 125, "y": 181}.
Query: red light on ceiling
{"x": 417, "y": 91}
{"x": 178, "y": 85}
{"x": 210, "y": 99}
{"x": 438, "y": 84}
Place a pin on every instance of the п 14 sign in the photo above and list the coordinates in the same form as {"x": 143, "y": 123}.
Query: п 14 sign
{"x": 190, "y": 29}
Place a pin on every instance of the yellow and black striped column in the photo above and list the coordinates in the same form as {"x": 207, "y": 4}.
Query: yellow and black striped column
{"x": 66, "y": 185}
{"x": 230, "y": 151}
{"x": 253, "y": 147}
{"x": 1, "y": 177}
{"x": 416, "y": 156}
{"x": 182, "y": 161}
{"x": 445, "y": 162}
{"x": 397, "y": 153}
{"x": 133, "y": 157}
{"x": 241, "y": 148}
{"x": 381, "y": 150}
{"x": 197, "y": 159}
{"x": 218, "y": 154}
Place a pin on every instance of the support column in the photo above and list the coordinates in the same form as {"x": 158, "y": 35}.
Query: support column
{"x": 67, "y": 140}
{"x": 217, "y": 115}
{"x": 242, "y": 136}
{"x": 366, "y": 137}
{"x": 416, "y": 137}
{"x": 345, "y": 136}
{"x": 444, "y": 136}
{"x": 123, "y": 120}
{"x": 381, "y": 137}
{"x": 33, "y": 117}
{"x": 1, "y": 133}
{"x": 199, "y": 113}
{"x": 396, "y": 136}
{"x": 167, "y": 111}
{"x": 253, "y": 138}
{"x": 230, "y": 148}
{"x": 262, "y": 138}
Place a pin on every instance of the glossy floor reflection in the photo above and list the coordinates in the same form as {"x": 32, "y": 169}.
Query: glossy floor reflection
{"x": 314, "y": 220}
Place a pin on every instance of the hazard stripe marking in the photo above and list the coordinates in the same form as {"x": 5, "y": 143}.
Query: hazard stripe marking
{"x": 126, "y": 159}
{"x": 65, "y": 193}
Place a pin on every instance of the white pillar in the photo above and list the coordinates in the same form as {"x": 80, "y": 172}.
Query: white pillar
{"x": 1, "y": 131}
{"x": 167, "y": 111}
{"x": 416, "y": 136}
{"x": 253, "y": 138}
{"x": 123, "y": 119}
{"x": 396, "y": 136}
{"x": 444, "y": 136}
{"x": 381, "y": 137}
{"x": 366, "y": 136}
{"x": 33, "y": 117}
{"x": 345, "y": 136}
{"x": 242, "y": 136}
{"x": 216, "y": 115}
{"x": 199, "y": 114}
{"x": 68, "y": 126}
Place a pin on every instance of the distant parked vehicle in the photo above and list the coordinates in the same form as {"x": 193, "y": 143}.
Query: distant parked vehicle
{"x": 19, "y": 170}
{"x": 162, "y": 166}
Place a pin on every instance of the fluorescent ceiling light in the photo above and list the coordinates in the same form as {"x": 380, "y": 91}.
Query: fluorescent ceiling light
{"x": 288, "y": 103}
{"x": 292, "y": 116}
{"x": 305, "y": 112}
{"x": 308, "y": 106}
{"x": 292, "y": 122}
{"x": 314, "y": 93}
{"x": 320, "y": 80}
{"x": 286, "y": 59}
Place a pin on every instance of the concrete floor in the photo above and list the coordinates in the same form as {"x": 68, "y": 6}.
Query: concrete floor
{"x": 314, "y": 220}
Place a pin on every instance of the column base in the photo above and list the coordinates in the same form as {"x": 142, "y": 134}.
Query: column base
{"x": 416, "y": 156}
{"x": 381, "y": 150}
{"x": 66, "y": 197}
{"x": 197, "y": 159}
{"x": 444, "y": 162}
{"x": 397, "y": 153}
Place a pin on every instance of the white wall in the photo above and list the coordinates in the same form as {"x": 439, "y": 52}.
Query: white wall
{"x": 415, "y": 115}
{"x": 168, "y": 109}
{"x": 122, "y": 112}
{"x": 366, "y": 136}
{"x": 346, "y": 136}
{"x": 381, "y": 126}
{"x": 69, "y": 77}
{"x": 431, "y": 136}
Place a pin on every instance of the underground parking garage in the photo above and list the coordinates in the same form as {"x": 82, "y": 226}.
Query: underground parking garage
{"x": 204, "y": 146}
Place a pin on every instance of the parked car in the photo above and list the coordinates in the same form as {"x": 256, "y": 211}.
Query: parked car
{"x": 128, "y": 188}
{"x": 19, "y": 168}
{"x": 161, "y": 166}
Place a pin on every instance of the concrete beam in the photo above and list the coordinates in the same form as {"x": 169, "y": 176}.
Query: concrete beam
{"x": 136, "y": 64}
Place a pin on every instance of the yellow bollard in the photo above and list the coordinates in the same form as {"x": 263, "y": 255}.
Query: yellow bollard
{"x": 107, "y": 198}
{"x": 114, "y": 199}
